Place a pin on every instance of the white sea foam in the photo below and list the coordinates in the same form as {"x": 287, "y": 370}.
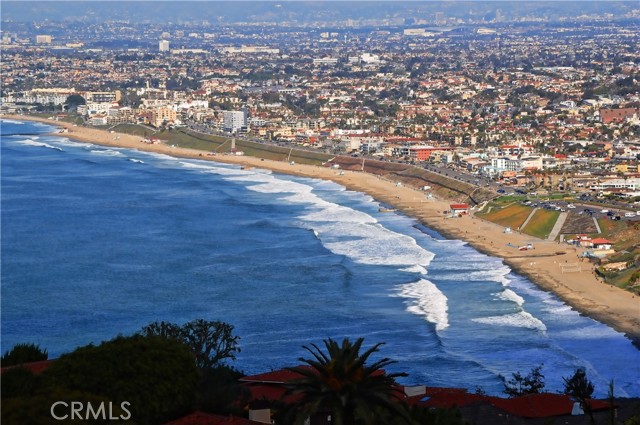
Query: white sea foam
{"x": 67, "y": 142}
{"x": 328, "y": 185}
{"x": 330, "y": 211}
{"x": 425, "y": 299}
{"x": 415, "y": 269}
{"x": 106, "y": 152}
{"x": 161, "y": 156}
{"x": 370, "y": 243}
{"x": 138, "y": 161}
{"x": 509, "y": 295}
{"x": 557, "y": 307}
{"x": 343, "y": 230}
{"x": 32, "y": 142}
{"x": 521, "y": 319}
{"x": 492, "y": 275}
{"x": 8, "y": 121}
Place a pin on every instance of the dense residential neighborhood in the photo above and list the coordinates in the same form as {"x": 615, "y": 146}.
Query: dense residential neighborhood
{"x": 519, "y": 125}
{"x": 529, "y": 103}
{"x": 512, "y": 104}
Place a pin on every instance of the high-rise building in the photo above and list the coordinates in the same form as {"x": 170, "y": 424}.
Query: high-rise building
{"x": 43, "y": 39}
{"x": 235, "y": 121}
{"x": 440, "y": 18}
{"x": 163, "y": 46}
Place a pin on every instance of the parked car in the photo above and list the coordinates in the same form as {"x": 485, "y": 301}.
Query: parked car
{"x": 629, "y": 214}
{"x": 604, "y": 211}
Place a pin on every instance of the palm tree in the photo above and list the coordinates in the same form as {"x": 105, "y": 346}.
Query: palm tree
{"x": 340, "y": 384}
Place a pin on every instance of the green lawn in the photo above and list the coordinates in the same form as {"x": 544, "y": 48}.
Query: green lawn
{"x": 609, "y": 228}
{"x": 220, "y": 144}
{"x": 507, "y": 199}
{"x": 134, "y": 129}
{"x": 511, "y": 216}
{"x": 541, "y": 223}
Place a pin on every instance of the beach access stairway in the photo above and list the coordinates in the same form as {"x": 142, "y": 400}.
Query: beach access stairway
{"x": 529, "y": 218}
{"x": 557, "y": 227}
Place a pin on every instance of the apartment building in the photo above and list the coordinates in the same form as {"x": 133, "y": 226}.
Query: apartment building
{"x": 234, "y": 121}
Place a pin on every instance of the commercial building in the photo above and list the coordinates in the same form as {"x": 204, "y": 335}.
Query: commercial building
{"x": 235, "y": 121}
{"x": 43, "y": 39}
{"x": 163, "y": 45}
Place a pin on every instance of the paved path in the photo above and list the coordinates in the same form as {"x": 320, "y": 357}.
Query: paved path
{"x": 595, "y": 221}
{"x": 528, "y": 218}
{"x": 558, "y": 226}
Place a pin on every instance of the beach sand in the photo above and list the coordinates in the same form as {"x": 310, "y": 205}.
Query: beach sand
{"x": 581, "y": 290}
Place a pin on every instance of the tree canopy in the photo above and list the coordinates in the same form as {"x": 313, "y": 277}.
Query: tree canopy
{"x": 520, "y": 385}
{"x": 157, "y": 376}
{"x": 340, "y": 383}
{"x": 23, "y": 353}
{"x": 75, "y": 100}
{"x": 211, "y": 342}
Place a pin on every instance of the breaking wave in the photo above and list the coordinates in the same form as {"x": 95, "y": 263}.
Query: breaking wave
{"x": 425, "y": 299}
{"x": 521, "y": 319}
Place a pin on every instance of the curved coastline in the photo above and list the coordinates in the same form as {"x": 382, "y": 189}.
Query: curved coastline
{"x": 581, "y": 290}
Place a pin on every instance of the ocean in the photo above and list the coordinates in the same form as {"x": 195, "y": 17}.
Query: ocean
{"x": 101, "y": 241}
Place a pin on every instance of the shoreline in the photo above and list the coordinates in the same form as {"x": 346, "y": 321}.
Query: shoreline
{"x": 581, "y": 290}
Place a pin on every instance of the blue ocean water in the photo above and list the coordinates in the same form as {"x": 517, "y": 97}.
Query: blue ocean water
{"x": 100, "y": 241}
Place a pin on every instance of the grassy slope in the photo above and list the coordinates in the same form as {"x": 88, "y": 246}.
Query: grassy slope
{"x": 626, "y": 236}
{"x": 541, "y": 223}
{"x": 509, "y": 216}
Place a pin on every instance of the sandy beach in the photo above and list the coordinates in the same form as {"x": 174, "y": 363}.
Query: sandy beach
{"x": 542, "y": 265}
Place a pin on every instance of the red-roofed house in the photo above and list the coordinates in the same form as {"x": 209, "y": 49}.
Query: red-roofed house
{"x": 458, "y": 209}
{"x": 584, "y": 241}
{"x": 617, "y": 115}
{"x": 33, "y": 367}
{"x": 269, "y": 390}
{"x": 601, "y": 243}
{"x": 543, "y": 405}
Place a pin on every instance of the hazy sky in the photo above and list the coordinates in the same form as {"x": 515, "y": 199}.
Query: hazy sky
{"x": 291, "y": 11}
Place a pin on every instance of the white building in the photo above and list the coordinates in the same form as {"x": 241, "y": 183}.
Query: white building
{"x": 234, "y": 121}
{"x": 325, "y": 61}
{"x": 43, "y": 39}
{"x": 163, "y": 45}
{"x": 628, "y": 184}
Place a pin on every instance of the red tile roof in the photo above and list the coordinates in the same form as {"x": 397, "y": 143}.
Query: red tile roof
{"x": 530, "y": 406}
{"x": 275, "y": 377}
{"x": 542, "y": 405}
{"x": 33, "y": 367}
{"x": 459, "y": 206}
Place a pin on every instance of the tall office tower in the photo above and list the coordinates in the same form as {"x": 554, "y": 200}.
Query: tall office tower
{"x": 163, "y": 46}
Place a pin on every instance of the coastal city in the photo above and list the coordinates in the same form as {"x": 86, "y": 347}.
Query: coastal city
{"x": 521, "y": 106}
{"x": 513, "y": 130}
